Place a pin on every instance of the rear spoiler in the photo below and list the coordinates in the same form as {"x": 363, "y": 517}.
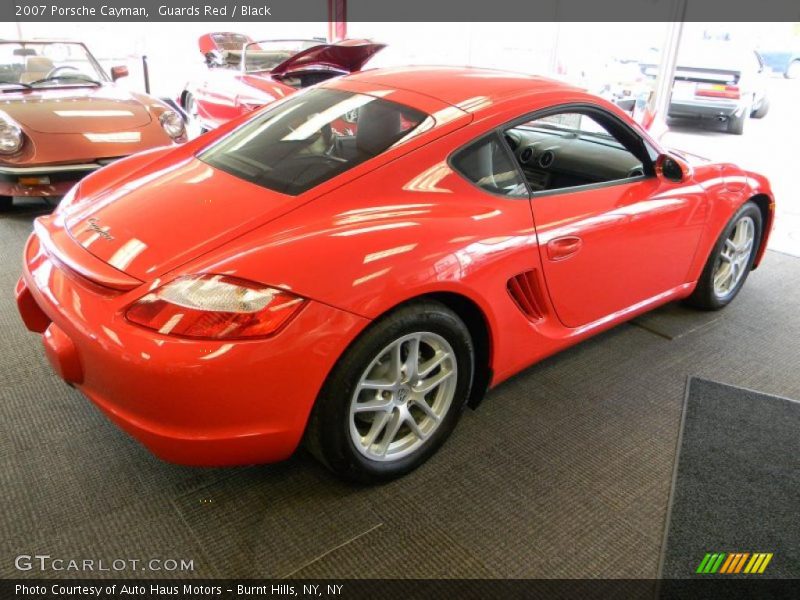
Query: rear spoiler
{"x": 347, "y": 55}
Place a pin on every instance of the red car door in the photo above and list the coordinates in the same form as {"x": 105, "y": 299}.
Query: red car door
{"x": 611, "y": 233}
{"x": 604, "y": 250}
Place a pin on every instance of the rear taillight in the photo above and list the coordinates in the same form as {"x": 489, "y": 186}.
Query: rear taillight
{"x": 214, "y": 307}
{"x": 730, "y": 92}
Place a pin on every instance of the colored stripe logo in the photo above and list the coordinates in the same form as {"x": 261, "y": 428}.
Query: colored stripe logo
{"x": 734, "y": 563}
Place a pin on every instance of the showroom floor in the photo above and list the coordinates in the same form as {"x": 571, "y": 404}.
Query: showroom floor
{"x": 564, "y": 471}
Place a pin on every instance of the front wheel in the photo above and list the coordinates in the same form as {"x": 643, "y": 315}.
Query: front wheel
{"x": 395, "y": 395}
{"x": 730, "y": 261}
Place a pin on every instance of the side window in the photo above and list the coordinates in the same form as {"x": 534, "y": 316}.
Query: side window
{"x": 487, "y": 164}
{"x": 573, "y": 149}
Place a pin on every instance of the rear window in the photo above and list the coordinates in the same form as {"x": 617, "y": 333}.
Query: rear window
{"x": 311, "y": 138}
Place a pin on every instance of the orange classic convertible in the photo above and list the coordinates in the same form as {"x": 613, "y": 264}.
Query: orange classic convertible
{"x": 62, "y": 116}
{"x": 278, "y": 280}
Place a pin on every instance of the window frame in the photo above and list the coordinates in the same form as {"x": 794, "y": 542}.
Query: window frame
{"x": 648, "y": 153}
{"x": 497, "y": 134}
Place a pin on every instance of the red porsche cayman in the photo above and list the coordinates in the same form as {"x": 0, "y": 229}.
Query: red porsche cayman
{"x": 278, "y": 280}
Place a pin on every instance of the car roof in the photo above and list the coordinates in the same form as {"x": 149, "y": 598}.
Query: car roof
{"x": 455, "y": 85}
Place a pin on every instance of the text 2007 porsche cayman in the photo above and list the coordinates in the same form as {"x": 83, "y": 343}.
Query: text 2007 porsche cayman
{"x": 281, "y": 279}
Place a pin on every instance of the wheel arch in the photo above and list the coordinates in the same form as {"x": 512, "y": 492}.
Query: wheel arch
{"x": 480, "y": 331}
{"x": 763, "y": 202}
{"x": 477, "y": 322}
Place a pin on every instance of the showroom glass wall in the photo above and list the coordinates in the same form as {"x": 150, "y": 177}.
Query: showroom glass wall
{"x": 602, "y": 57}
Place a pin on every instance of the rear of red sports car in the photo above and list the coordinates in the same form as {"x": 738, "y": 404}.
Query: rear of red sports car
{"x": 284, "y": 276}
{"x": 203, "y": 367}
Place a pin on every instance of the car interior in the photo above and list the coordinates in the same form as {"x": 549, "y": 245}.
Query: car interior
{"x": 294, "y": 151}
{"x": 26, "y": 65}
{"x": 571, "y": 149}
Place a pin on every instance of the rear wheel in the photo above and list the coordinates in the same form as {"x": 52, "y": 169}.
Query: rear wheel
{"x": 6, "y": 202}
{"x": 736, "y": 124}
{"x": 395, "y": 395}
{"x": 730, "y": 261}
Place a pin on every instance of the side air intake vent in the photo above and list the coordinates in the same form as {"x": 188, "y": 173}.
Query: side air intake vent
{"x": 526, "y": 294}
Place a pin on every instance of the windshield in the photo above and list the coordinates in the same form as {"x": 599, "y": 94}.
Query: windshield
{"x": 48, "y": 64}
{"x": 312, "y": 137}
{"x": 266, "y": 55}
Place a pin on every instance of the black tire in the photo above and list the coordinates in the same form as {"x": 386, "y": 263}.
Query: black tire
{"x": 704, "y": 296}
{"x": 762, "y": 110}
{"x": 736, "y": 124}
{"x": 328, "y": 435}
{"x": 6, "y": 202}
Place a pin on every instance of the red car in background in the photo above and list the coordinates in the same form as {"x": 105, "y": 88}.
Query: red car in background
{"x": 278, "y": 280}
{"x": 243, "y": 75}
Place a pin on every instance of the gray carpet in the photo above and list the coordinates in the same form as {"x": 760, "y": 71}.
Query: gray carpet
{"x": 564, "y": 471}
{"x": 737, "y": 484}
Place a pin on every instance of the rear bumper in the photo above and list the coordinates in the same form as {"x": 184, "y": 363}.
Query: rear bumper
{"x": 193, "y": 402}
{"x": 43, "y": 180}
{"x": 702, "y": 109}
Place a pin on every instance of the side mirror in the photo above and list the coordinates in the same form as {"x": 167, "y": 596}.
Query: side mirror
{"x": 672, "y": 168}
{"x": 118, "y": 72}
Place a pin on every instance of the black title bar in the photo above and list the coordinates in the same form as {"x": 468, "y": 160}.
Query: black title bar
{"x": 403, "y": 10}
{"x": 708, "y": 587}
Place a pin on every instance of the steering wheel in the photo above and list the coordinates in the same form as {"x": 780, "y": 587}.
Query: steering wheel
{"x": 55, "y": 70}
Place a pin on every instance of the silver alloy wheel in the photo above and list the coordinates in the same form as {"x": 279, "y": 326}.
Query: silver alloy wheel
{"x": 734, "y": 258}
{"x": 403, "y": 396}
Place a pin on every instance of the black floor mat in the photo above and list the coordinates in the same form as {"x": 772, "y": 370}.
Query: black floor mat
{"x": 735, "y": 504}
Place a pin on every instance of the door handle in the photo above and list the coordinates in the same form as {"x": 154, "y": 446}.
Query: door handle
{"x": 563, "y": 247}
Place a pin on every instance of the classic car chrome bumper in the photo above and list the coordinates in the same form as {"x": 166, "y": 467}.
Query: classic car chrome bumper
{"x": 47, "y": 169}
{"x": 45, "y": 180}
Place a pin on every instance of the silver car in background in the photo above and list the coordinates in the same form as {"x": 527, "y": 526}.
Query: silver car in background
{"x": 718, "y": 81}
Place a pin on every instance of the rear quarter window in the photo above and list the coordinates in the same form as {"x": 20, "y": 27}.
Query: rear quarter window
{"x": 312, "y": 138}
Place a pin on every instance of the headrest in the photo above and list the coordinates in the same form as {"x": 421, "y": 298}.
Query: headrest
{"x": 38, "y": 64}
{"x": 378, "y": 127}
